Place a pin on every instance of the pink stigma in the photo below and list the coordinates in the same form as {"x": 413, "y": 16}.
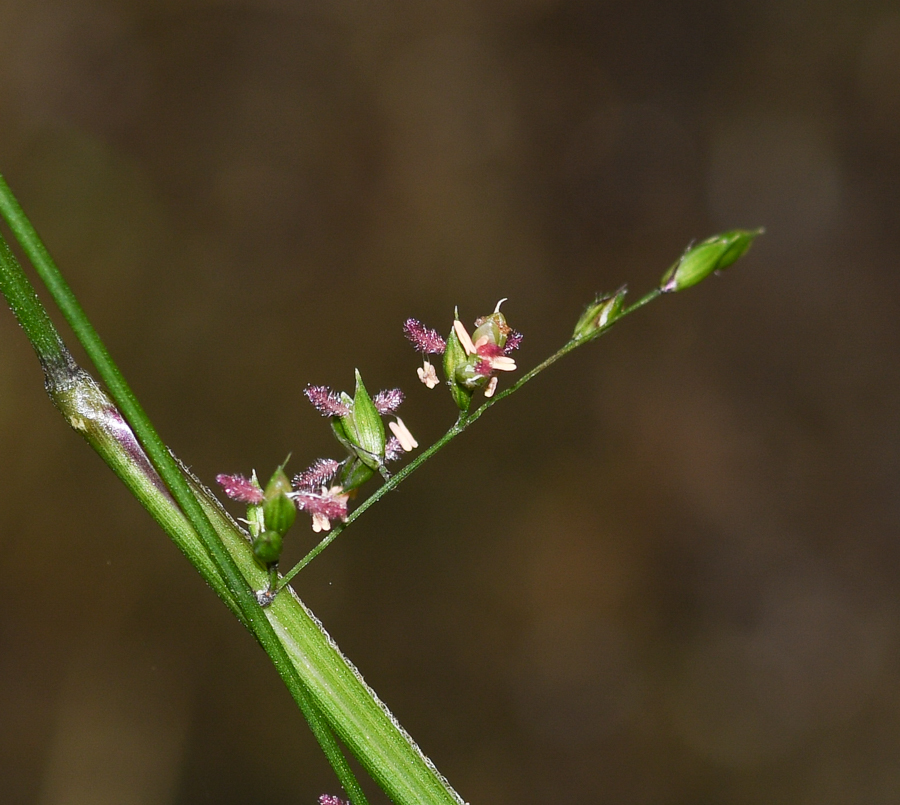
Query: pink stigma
{"x": 423, "y": 338}
{"x": 386, "y": 402}
{"x": 237, "y": 487}
{"x": 512, "y": 341}
{"x": 326, "y": 401}
{"x": 323, "y": 470}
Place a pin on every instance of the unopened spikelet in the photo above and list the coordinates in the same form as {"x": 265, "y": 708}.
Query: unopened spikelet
{"x": 600, "y": 314}
{"x": 279, "y": 511}
{"x": 707, "y": 257}
{"x": 267, "y": 547}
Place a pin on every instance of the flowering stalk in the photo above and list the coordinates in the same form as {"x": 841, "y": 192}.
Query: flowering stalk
{"x": 328, "y": 689}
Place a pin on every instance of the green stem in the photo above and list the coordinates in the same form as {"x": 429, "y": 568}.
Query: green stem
{"x": 30, "y": 313}
{"x": 354, "y": 711}
{"x": 461, "y": 424}
{"x": 47, "y": 343}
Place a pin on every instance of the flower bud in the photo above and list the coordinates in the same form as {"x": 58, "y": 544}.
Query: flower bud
{"x": 267, "y": 547}
{"x": 713, "y": 254}
{"x": 600, "y": 314}
{"x": 279, "y": 511}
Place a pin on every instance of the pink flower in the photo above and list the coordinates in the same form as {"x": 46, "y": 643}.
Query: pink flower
{"x": 493, "y": 357}
{"x": 487, "y": 350}
{"x": 324, "y": 506}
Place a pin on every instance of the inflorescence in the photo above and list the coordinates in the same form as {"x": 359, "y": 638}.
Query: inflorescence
{"x": 324, "y": 489}
{"x": 469, "y": 360}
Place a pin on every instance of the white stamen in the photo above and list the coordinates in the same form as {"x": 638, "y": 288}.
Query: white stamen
{"x": 427, "y": 375}
{"x": 491, "y": 387}
{"x": 503, "y": 364}
{"x": 497, "y": 309}
{"x": 407, "y": 442}
{"x": 464, "y": 338}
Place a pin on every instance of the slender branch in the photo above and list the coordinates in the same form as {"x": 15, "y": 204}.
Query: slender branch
{"x": 564, "y": 350}
{"x": 464, "y": 421}
{"x": 394, "y": 481}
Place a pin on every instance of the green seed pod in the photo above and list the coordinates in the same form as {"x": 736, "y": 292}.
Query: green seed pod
{"x": 454, "y": 358}
{"x": 279, "y": 511}
{"x": 267, "y": 547}
{"x": 601, "y": 313}
{"x": 713, "y": 254}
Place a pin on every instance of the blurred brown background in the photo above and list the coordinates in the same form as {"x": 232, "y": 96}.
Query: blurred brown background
{"x": 665, "y": 573}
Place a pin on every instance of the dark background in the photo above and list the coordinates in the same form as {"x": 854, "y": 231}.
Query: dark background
{"x": 666, "y": 572}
